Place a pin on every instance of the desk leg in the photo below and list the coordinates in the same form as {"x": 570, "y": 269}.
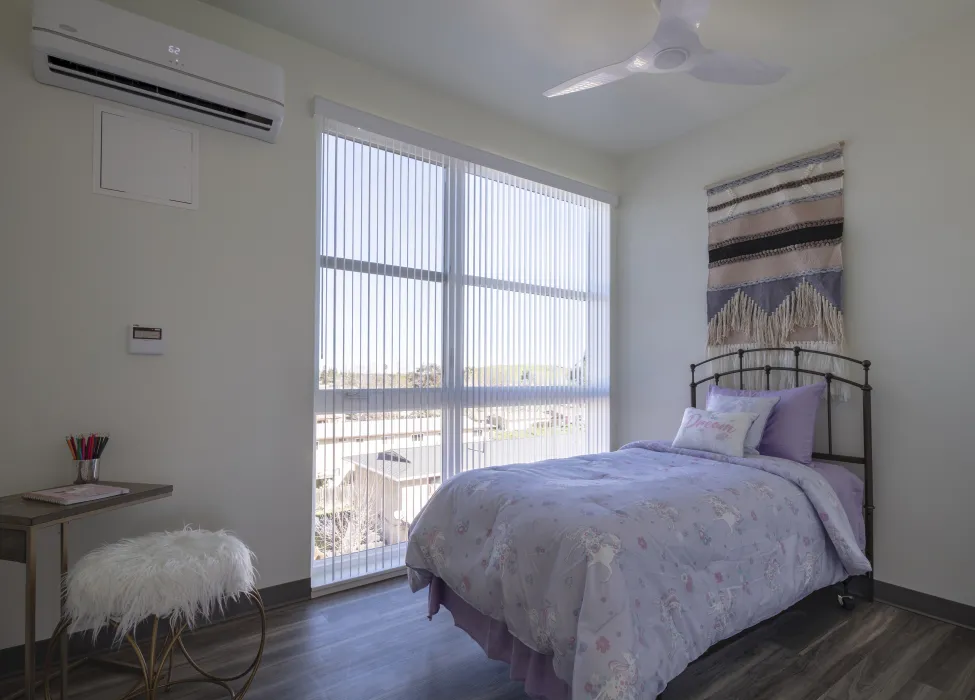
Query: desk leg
{"x": 30, "y": 622}
{"x": 64, "y": 637}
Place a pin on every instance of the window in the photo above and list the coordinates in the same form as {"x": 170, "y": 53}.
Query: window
{"x": 463, "y": 322}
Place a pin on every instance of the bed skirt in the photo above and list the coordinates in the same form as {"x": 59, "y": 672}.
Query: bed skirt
{"x": 532, "y": 668}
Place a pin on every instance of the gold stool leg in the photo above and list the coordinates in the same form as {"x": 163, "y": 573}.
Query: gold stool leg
{"x": 250, "y": 671}
{"x": 160, "y": 661}
{"x": 150, "y": 676}
{"x": 142, "y": 663}
{"x": 169, "y": 651}
{"x": 60, "y": 633}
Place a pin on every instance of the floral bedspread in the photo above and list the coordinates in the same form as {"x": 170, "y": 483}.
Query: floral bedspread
{"x": 627, "y": 566}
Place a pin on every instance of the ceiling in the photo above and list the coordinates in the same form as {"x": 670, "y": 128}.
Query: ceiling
{"x": 502, "y": 54}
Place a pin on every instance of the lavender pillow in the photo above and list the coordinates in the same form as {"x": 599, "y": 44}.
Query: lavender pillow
{"x": 762, "y": 405}
{"x": 791, "y": 427}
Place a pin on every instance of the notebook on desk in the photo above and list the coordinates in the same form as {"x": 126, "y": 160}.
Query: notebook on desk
{"x": 72, "y": 495}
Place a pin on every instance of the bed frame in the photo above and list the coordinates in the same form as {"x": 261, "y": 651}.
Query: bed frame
{"x": 796, "y": 369}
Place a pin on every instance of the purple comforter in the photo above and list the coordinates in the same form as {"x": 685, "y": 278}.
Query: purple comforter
{"x": 626, "y": 566}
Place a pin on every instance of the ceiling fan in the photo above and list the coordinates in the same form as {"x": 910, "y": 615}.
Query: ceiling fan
{"x": 676, "y": 48}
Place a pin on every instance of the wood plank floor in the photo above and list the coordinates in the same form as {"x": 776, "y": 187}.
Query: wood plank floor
{"x": 376, "y": 644}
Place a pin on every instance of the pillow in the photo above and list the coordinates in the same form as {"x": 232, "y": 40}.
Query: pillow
{"x": 791, "y": 427}
{"x": 722, "y": 433}
{"x": 762, "y": 405}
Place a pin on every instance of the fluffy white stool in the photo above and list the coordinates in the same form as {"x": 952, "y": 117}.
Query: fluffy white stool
{"x": 183, "y": 578}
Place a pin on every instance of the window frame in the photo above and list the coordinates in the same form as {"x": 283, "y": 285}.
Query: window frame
{"x": 453, "y": 397}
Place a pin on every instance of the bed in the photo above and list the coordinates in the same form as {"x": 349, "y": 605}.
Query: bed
{"x": 603, "y": 576}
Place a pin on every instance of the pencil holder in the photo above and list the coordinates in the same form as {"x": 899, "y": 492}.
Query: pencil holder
{"x": 87, "y": 471}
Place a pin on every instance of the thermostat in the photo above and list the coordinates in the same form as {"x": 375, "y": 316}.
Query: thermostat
{"x": 144, "y": 340}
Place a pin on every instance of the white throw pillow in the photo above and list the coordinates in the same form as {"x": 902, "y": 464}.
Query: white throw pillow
{"x": 762, "y": 405}
{"x": 722, "y": 433}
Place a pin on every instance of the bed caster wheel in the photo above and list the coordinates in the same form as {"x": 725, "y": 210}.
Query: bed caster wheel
{"x": 847, "y": 602}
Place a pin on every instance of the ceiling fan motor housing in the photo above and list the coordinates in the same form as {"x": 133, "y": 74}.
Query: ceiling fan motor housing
{"x": 670, "y": 59}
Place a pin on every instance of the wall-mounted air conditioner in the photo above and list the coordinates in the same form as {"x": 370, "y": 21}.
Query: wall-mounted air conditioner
{"x": 91, "y": 47}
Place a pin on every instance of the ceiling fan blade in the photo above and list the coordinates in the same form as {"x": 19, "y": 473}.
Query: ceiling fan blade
{"x": 691, "y": 11}
{"x": 596, "y": 78}
{"x": 721, "y": 67}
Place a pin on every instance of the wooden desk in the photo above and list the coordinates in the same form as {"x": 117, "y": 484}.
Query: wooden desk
{"x": 19, "y": 522}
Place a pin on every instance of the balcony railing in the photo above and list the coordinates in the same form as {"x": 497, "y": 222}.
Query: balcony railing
{"x": 376, "y": 471}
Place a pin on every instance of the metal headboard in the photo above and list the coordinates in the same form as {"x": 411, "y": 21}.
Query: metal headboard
{"x": 797, "y": 370}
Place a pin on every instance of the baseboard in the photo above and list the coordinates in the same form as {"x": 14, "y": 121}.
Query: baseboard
{"x": 273, "y": 597}
{"x": 925, "y": 604}
{"x": 12, "y": 658}
{"x": 349, "y": 584}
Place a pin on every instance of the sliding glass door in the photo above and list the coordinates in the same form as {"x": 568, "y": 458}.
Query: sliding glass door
{"x": 463, "y": 322}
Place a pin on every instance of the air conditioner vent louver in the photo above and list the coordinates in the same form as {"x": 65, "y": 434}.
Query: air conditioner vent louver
{"x": 155, "y": 92}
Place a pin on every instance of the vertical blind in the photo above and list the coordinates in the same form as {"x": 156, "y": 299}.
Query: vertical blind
{"x": 463, "y": 322}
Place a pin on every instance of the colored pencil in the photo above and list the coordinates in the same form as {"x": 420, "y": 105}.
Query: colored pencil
{"x": 86, "y": 447}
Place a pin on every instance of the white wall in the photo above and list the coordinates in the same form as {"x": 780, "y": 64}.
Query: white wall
{"x": 909, "y": 251}
{"x": 226, "y": 414}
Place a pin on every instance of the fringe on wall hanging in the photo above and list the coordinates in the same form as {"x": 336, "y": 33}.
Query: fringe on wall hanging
{"x": 775, "y": 266}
